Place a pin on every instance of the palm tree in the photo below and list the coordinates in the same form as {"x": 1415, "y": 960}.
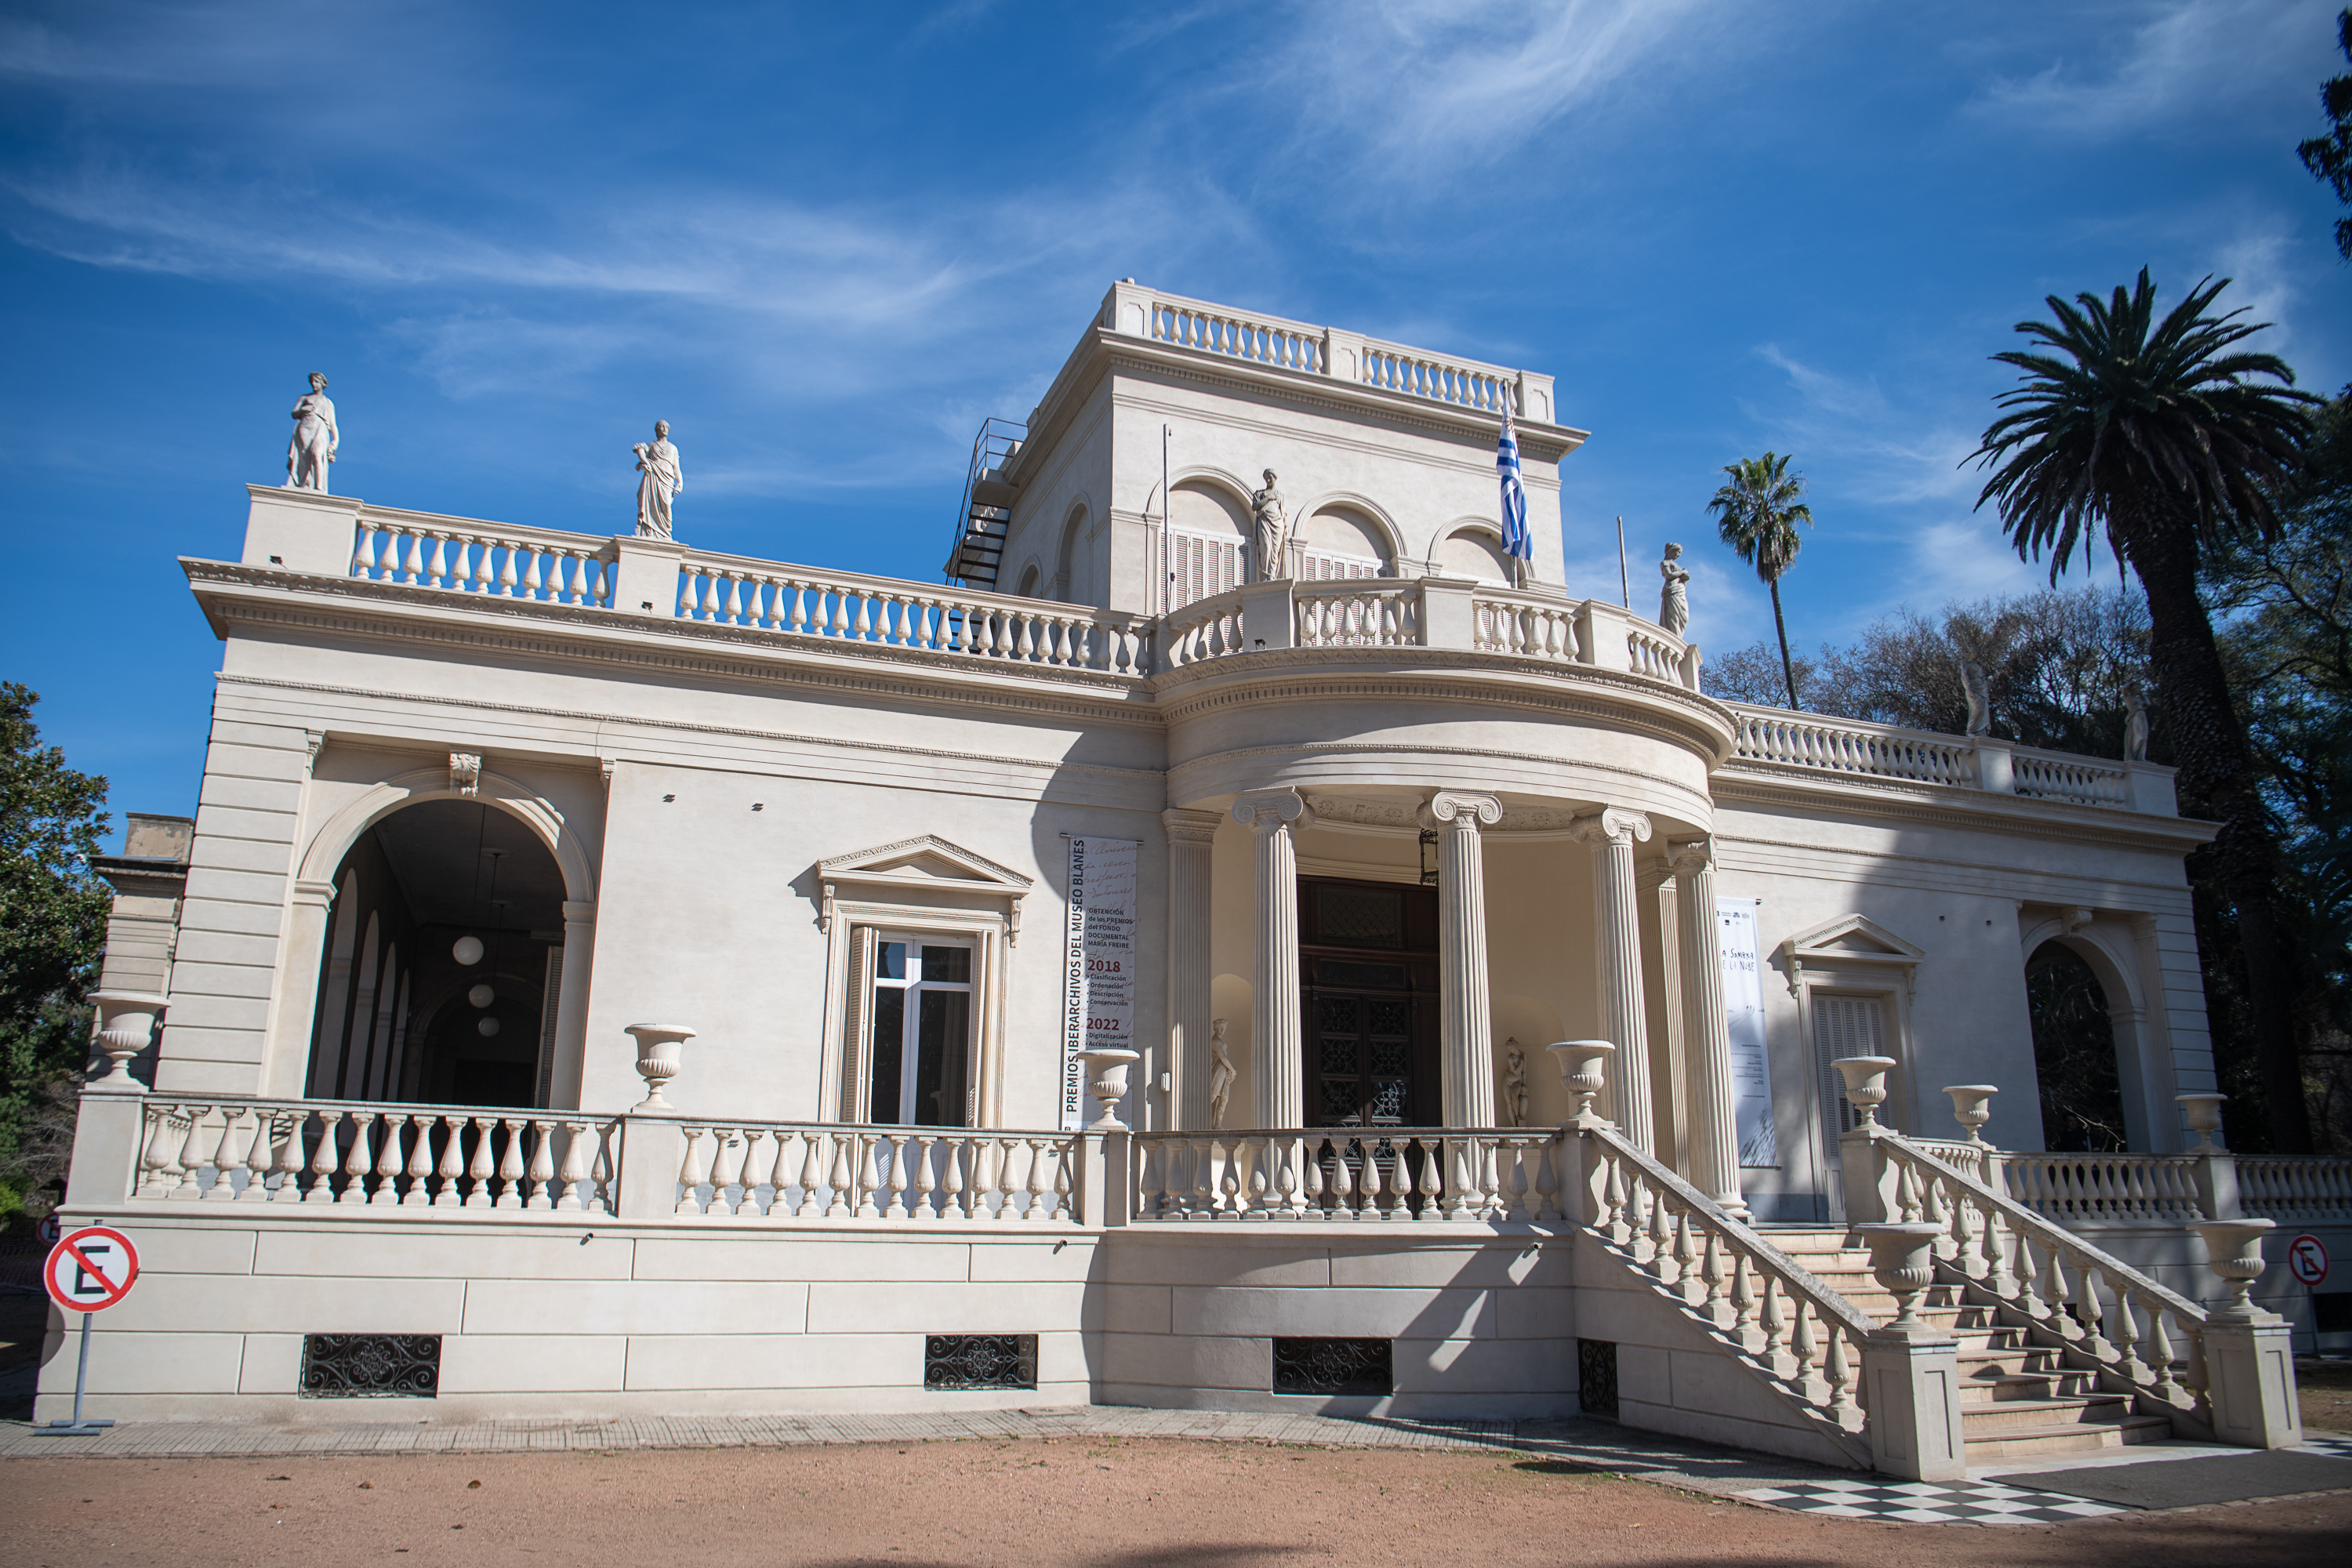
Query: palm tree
{"x": 1756, "y": 512}
{"x": 2174, "y": 442}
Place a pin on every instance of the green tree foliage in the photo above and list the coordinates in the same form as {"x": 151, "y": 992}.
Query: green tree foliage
{"x": 2329, "y": 157}
{"x": 52, "y": 924}
{"x": 1756, "y": 512}
{"x": 2175, "y": 442}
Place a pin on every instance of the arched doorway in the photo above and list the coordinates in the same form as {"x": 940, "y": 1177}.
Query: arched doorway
{"x": 2074, "y": 1053}
{"x": 442, "y": 964}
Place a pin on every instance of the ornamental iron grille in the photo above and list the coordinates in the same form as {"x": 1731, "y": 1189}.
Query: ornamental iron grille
{"x": 1333, "y": 1366}
{"x": 980, "y": 1361}
{"x": 371, "y": 1366}
{"x": 1596, "y": 1377}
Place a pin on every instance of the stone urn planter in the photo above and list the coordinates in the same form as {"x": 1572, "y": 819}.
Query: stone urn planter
{"x": 2203, "y": 1114}
{"x": 1107, "y": 1082}
{"x": 1968, "y": 1107}
{"x": 661, "y": 1049}
{"x": 1903, "y": 1260}
{"x": 1583, "y": 1068}
{"x": 1866, "y": 1084}
{"x": 126, "y": 1023}
{"x": 2234, "y": 1250}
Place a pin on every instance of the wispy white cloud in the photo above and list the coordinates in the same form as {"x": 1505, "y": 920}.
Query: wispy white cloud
{"x": 2187, "y": 62}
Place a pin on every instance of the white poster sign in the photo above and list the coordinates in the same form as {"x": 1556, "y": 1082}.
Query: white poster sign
{"x": 1098, "y": 965}
{"x": 1743, "y": 1007}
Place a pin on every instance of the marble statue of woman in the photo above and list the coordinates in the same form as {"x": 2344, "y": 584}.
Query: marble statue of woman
{"x": 315, "y": 439}
{"x": 2135, "y": 723}
{"x": 1270, "y": 532}
{"x": 1220, "y": 1074}
{"x": 1515, "y": 1084}
{"x": 1673, "y": 599}
{"x": 1979, "y": 695}
{"x": 658, "y": 460}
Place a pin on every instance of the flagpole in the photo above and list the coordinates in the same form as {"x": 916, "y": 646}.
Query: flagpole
{"x": 1624, "y": 583}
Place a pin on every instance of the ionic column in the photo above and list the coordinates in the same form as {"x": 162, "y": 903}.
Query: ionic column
{"x": 1190, "y": 834}
{"x": 1276, "y": 817}
{"x": 1706, "y": 1030}
{"x": 1617, "y": 926}
{"x": 1462, "y": 983}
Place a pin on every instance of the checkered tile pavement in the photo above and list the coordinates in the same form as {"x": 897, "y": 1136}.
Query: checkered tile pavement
{"x": 2335, "y": 1445}
{"x": 1929, "y": 1502}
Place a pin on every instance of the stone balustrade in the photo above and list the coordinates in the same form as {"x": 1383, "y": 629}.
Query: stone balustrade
{"x": 1219, "y": 330}
{"x": 2297, "y": 1188}
{"x": 1359, "y": 611}
{"x": 498, "y": 559}
{"x": 375, "y": 1156}
{"x": 782, "y": 1171}
{"x": 1389, "y": 1175}
{"x": 889, "y": 612}
{"x": 2102, "y": 1189}
{"x": 1859, "y": 749}
{"x": 2055, "y": 775}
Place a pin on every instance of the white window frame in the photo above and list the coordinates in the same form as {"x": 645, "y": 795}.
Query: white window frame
{"x": 912, "y": 985}
{"x": 854, "y": 926}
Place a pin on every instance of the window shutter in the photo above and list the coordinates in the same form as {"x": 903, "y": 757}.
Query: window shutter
{"x": 1845, "y": 1026}
{"x": 860, "y": 1015}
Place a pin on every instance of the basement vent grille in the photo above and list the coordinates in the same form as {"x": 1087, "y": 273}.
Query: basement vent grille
{"x": 1596, "y": 1377}
{"x": 371, "y": 1366}
{"x": 1333, "y": 1366}
{"x": 980, "y": 1361}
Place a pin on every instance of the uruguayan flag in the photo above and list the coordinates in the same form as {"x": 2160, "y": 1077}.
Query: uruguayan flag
{"x": 1515, "y": 539}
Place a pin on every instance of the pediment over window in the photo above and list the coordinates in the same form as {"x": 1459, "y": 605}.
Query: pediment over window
{"x": 926, "y": 862}
{"x": 1849, "y": 942}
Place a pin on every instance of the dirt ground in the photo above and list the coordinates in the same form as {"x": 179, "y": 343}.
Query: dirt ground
{"x": 2326, "y": 1390}
{"x": 1033, "y": 1502}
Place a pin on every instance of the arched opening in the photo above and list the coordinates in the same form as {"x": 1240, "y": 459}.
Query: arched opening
{"x": 1207, "y": 542}
{"x": 1473, "y": 552}
{"x": 1341, "y": 541}
{"x": 1074, "y": 583}
{"x": 449, "y": 995}
{"x": 2074, "y": 1053}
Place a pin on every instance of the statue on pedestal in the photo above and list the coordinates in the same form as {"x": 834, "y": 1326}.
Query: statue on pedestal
{"x": 2135, "y": 723}
{"x": 1673, "y": 599}
{"x": 658, "y": 460}
{"x": 1220, "y": 1074}
{"x": 1269, "y": 533}
{"x": 315, "y": 439}
{"x": 1514, "y": 1097}
{"x": 1979, "y": 695}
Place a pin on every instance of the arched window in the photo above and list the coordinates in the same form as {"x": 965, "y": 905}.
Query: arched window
{"x": 1473, "y": 552}
{"x": 2074, "y": 1053}
{"x": 1341, "y": 541}
{"x": 1208, "y": 542}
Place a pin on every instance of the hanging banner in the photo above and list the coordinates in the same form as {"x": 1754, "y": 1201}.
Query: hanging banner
{"x": 1743, "y": 1007}
{"x": 1098, "y": 965}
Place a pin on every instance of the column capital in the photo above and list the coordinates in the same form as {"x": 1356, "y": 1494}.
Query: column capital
{"x": 1264, "y": 810}
{"x": 1614, "y": 825}
{"x": 1691, "y": 857}
{"x": 1189, "y": 826}
{"x": 1463, "y": 810}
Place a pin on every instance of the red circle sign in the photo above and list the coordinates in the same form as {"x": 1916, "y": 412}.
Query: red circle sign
{"x": 2306, "y": 1255}
{"x": 91, "y": 1269}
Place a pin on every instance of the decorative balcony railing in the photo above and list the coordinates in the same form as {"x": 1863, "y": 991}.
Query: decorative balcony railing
{"x": 2101, "y": 1189}
{"x": 1864, "y": 749}
{"x": 2297, "y": 1188}
{"x": 497, "y": 559}
{"x": 782, "y": 1172}
{"x": 1423, "y": 1174}
{"x": 1214, "y": 329}
{"x": 2054, "y": 776}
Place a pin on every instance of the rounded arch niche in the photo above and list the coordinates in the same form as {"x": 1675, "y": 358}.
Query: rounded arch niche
{"x": 1474, "y": 551}
{"x": 453, "y": 999}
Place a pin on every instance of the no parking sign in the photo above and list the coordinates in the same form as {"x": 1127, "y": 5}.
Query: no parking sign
{"x": 91, "y": 1269}
{"x": 2306, "y": 1255}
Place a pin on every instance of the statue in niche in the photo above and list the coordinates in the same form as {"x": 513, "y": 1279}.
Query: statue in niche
{"x": 1220, "y": 1074}
{"x": 1979, "y": 695}
{"x": 658, "y": 460}
{"x": 315, "y": 439}
{"x": 1674, "y": 598}
{"x": 2134, "y": 722}
{"x": 1269, "y": 533}
{"x": 1515, "y": 1084}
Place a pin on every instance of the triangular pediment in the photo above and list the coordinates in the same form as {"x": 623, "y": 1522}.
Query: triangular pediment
{"x": 926, "y": 859}
{"x": 1855, "y": 936}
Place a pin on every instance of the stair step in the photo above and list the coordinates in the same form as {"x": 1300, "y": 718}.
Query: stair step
{"x": 2063, "y": 1410}
{"x": 2074, "y": 1437}
{"x": 2006, "y": 1387}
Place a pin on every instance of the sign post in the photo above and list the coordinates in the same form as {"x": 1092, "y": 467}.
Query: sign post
{"x": 87, "y": 1272}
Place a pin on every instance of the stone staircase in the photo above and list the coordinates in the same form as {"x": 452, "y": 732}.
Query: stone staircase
{"x": 2018, "y": 1398}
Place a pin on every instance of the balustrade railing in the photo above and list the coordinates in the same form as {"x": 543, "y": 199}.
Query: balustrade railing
{"x": 314, "y": 1152}
{"x": 2297, "y": 1187}
{"x": 801, "y": 1171}
{"x": 1361, "y": 612}
{"x": 1530, "y": 627}
{"x": 1266, "y": 339}
{"x": 1847, "y": 746}
{"x": 1411, "y": 1174}
{"x": 492, "y": 559}
{"x": 841, "y": 607}
{"x": 1205, "y": 629}
{"x": 2100, "y": 1189}
{"x": 2085, "y": 780}
{"x": 1792, "y": 1329}
{"x": 2141, "y": 1337}
{"x": 1419, "y": 373}
{"x": 1654, "y": 654}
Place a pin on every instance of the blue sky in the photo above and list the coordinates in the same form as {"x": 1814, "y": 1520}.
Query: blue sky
{"x": 824, "y": 241}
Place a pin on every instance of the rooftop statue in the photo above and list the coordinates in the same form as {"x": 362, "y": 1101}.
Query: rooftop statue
{"x": 1673, "y": 599}
{"x": 315, "y": 438}
{"x": 1270, "y": 533}
{"x": 1979, "y": 695}
{"x": 2135, "y": 723}
{"x": 658, "y": 460}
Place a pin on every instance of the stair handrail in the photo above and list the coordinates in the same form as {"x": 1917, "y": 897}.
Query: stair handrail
{"x": 1645, "y": 1220}
{"x": 1927, "y": 1188}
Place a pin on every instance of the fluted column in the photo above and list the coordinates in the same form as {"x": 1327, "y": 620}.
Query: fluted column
{"x": 1276, "y": 817}
{"x": 1190, "y": 835}
{"x": 1462, "y": 985}
{"x": 1706, "y": 1030}
{"x": 1617, "y": 926}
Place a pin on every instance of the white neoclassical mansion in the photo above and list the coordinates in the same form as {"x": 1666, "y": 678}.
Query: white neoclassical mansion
{"x": 1228, "y": 949}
